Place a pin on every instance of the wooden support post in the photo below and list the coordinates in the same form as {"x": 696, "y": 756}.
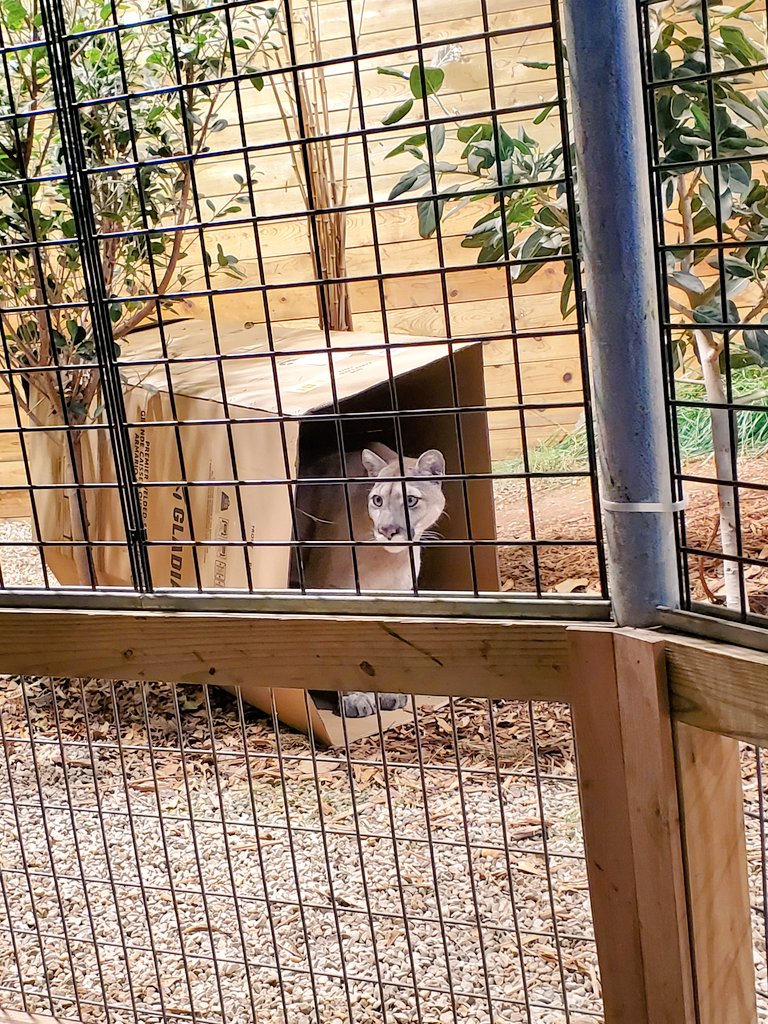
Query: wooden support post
{"x": 712, "y": 808}
{"x": 626, "y": 763}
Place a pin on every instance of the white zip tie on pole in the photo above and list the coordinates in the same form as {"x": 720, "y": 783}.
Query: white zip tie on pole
{"x": 645, "y": 506}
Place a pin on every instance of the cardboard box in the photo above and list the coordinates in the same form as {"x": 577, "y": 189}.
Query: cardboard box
{"x": 175, "y": 398}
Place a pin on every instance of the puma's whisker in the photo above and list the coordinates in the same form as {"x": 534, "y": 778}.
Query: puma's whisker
{"x": 315, "y": 519}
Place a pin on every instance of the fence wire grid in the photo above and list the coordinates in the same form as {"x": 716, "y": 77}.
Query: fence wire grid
{"x": 705, "y": 75}
{"x": 244, "y": 243}
{"x": 172, "y": 855}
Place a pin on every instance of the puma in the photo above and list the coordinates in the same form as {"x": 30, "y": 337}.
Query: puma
{"x": 376, "y": 512}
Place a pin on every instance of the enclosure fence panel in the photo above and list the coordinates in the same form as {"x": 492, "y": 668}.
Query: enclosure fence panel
{"x": 318, "y": 711}
{"x": 245, "y": 244}
{"x": 171, "y": 856}
{"x": 705, "y": 77}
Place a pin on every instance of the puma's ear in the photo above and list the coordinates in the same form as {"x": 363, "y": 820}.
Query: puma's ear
{"x": 431, "y": 463}
{"x": 373, "y": 463}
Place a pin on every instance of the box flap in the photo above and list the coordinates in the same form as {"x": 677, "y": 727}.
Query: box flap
{"x": 302, "y": 366}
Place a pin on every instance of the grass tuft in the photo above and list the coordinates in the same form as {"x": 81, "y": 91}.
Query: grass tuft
{"x": 569, "y": 454}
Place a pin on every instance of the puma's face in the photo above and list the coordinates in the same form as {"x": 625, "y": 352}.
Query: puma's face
{"x": 396, "y": 520}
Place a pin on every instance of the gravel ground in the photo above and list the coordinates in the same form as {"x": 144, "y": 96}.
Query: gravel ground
{"x": 239, "y": 874}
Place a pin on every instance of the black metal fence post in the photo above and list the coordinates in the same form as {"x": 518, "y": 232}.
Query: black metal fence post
{"x": 73, "y": 155}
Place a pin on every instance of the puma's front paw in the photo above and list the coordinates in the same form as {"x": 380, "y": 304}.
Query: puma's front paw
{"x": 392, "y": 701}
{"x": 358, "y": 705}
{"x": 361, "y": 705}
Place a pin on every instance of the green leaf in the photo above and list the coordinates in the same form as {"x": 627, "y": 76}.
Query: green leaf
{"x": 747, "y": 111}
{"x": 15, "y": 14}
{"x": 662, "y": 66}
{"x": 756, "y": 341}
{"x": 737, "y": 43}
{"x": 491, "y": 253}
{"x": 393, "y": 72}
{"x": 737, "y": 13}
{"x": 409, "y": 144}
{"x": 565, "y": 294}
{"x": 433, "y": 79}
{"x": 740, "y": 175}
{"x": 220, "y": 125}
{"x": 737, "y": 267}
{"x": 256, "y": 81}
{"x": 475, "y": 132}
{"x": 544, "y": 114}
{"x": 540, "y": 65}
{"x": 76, "y": 332}
{"x": 712, "y": 313}
{"x": 701, "y": 117}
{"x": 708, "y": 198}
{"x": 726, "y": 204}
{"x": 430, "y": 212}
{"x": 398, "y": 113}
{"x": 665, "y": 37}
{"x": 437, "y": 132}
{"x": 679, "y": 104}
{"x": 405, "y": 184}
{"x": 687, "y": 282}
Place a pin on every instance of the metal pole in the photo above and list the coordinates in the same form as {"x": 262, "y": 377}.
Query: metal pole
{"x": 616, "y": 211}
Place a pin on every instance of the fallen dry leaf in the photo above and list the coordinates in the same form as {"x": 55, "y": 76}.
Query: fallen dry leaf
{"x": 568, "y": 586}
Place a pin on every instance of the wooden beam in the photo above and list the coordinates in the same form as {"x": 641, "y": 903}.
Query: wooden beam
{"x": 631, "y": 829}
{"x": 711, "y": 798}
{"x": 446, "y": 657}
{"x": 719, "y": 687}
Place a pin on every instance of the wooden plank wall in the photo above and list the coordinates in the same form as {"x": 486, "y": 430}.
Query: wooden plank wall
{"x": 14, "y": 504}
{"x": 549, "y": 366}
{"x": 479, "y": 301}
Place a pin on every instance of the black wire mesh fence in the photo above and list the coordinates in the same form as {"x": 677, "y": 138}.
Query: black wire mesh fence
{"x": 169, "y": 854}
{"x": 244, "y": 244}
{"x": 705, "y": 73}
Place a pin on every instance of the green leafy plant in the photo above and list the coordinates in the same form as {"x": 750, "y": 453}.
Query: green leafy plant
{"x": 718, "y": 213}
{"x": 516, "y": 183}
{"x": 522, "y": 214}
{"x": 141, "y": 155}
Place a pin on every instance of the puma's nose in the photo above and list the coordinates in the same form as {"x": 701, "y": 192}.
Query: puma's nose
{"x": 388, "y": 530}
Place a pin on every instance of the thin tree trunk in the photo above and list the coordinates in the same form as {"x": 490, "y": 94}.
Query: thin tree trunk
{"x": 78, "y": 509}
{"x": 714, "y": 385}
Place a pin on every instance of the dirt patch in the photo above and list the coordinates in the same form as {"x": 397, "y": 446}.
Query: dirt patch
{"x": 563, "y": 524}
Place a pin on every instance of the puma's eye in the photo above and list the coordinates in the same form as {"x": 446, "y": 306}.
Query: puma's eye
{"x": 377, "y": 500}
{"x": 413, "y": 500}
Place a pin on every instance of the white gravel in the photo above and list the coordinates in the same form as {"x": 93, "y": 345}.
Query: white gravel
{"x": 20, "y": 561}
{"x": 307, "y": 911}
